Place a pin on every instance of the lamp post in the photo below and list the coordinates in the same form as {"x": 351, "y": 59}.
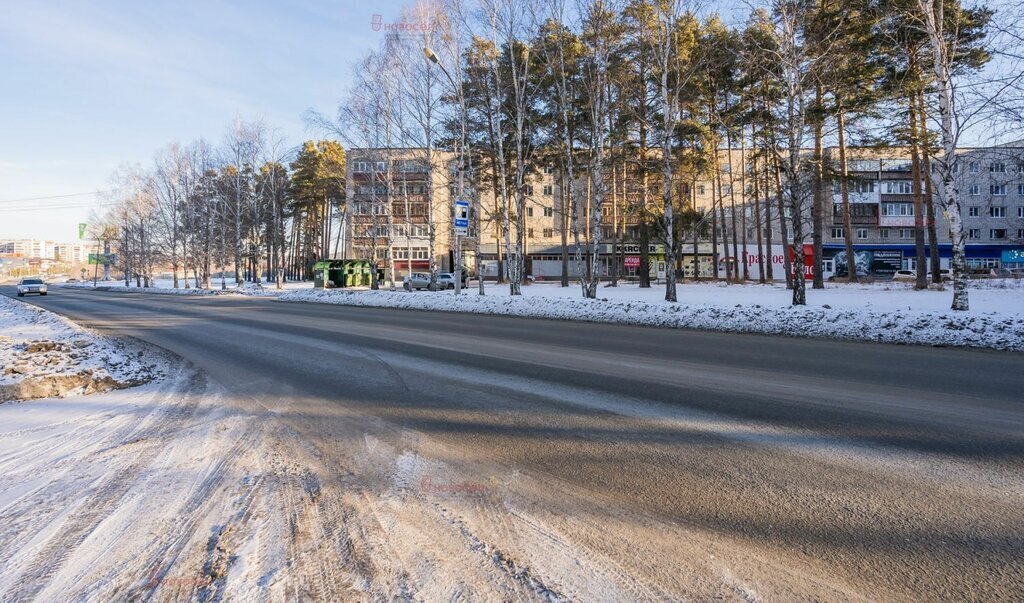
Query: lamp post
{"x": 457, "y": 268}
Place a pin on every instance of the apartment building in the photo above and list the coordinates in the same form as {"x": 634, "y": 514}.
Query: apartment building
{"x": 991, "y": 182}
{"x": 991, "y": 185}
{"x": 404, "y": 176}
{"x": 75, "y": 253}
{"x": 28, "y": 248}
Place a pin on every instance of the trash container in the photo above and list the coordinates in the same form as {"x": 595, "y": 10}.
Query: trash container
{"x": 321, "y": 274}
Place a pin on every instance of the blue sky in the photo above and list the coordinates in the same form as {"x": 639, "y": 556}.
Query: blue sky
{"x": 87, "y": 86}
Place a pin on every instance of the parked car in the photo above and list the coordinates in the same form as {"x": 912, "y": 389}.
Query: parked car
{"x": 31, "y": 285}
{"x": 446, "y": 280}
{"x": 416, "y": 280}
{"x": 911, "y": 275}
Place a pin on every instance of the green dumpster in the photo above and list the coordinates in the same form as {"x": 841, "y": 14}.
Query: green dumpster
{"x": 321, "y": 274}
{"x": 350, "y": 273}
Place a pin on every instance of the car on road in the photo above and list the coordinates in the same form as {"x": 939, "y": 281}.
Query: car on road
{"x": 31, "y": 285}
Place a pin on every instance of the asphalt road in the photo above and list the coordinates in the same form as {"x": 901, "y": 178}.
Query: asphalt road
{"x": 811, "y": 468}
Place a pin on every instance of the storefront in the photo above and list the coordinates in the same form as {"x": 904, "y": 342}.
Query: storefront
{"x": 883, "y": 261}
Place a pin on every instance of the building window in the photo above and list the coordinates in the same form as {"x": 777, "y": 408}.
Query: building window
{"x": 548, "y": 212}
{"x": 1020, "y": 233}
{"x": 700, "y": 189}
{"x": 862, "y": 233}
{"x": 982, "y": 263}
{"x": 883, "y": 233}
{"x": 973, "y": 211}
{"x": 997, "y": 212}
{"x": 862, "y": 186}
{"x": 997, "y": 167}
{"x": 837, "y": 233}
{"x": 974, "y": 233}
{"x": 529, "y": 233}
{"x": 998, "y": 190}
{"x": 548, "y": 190}
{"x": 787, "y": 211}
{"x": 548, "y": 233}
{"x": 382, "y": 166}
{"x": 528, "y": 189}
{"x": 973, "y": 167}
{"x": 1020, "y": 212}
{"x": 898, "y": 209}
{"x": 1020, "y": 190}
{"x": 549, "y": 169}
{"x": 906, "y": 233}
{"x": 974, "y": 189}
{"x": 529, "y": 212}
{"x": 898, "y": 187}
{"x": 997, "y": 233}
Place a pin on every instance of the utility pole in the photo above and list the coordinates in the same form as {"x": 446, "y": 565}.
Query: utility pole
{"x": 460, "y": 186}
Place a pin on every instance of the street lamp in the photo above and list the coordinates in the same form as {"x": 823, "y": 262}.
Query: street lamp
{"x": 457, "y": 268}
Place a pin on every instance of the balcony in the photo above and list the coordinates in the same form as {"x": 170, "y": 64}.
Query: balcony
{"x": 860, "y": 214}
{"x": 896, "y": 221}
{"x": 857, "y": 198}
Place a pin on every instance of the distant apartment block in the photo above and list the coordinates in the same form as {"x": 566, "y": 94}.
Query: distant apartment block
{"x": 75, "y": 253}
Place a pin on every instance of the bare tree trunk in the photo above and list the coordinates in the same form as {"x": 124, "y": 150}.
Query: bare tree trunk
{"x": 787, "y": 264}
{"x": 929, "y": 200}
{"x": 844, "y": 191}
{"x": 921, "y": 268}
{"x": 820, "y": 203}
{"x": 761, "y": 257}
{"x": 934, "y": 22}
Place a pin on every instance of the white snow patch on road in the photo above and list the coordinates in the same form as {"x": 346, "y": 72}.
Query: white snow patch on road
{"x": 890, "y": 312}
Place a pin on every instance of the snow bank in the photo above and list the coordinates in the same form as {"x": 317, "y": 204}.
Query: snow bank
{"x": 872, "y": 313}
{"x": 46, "y": 355}
{"x": 162, "y": 287}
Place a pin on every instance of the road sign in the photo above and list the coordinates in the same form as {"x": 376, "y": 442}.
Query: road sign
{"x": 81, "y": 229}
{"x": 461, "y": 218}
{"x": 102, "y": 258}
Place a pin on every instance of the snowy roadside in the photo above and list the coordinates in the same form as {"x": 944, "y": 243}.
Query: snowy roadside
{"x": 166, "y": 288}
{"x": 890, "y": 313}
{"x": 45, "y": 355}
{"x": 111, "y": 495}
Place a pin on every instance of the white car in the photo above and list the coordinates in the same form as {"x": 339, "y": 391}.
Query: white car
{"x": 31, "y": 285}
{"x": 909, "y": 276}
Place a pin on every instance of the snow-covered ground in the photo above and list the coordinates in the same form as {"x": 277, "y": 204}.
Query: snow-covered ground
{"x": 166, "y": 287}
{"x": 107, "y": 496}
{"x": 45, "y": 355}
{"x": 885, "y": 312}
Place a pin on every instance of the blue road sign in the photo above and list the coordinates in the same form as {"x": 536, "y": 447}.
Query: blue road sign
{"x": 461, "y": 217}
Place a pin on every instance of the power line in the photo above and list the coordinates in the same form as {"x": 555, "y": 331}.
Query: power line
{"x": 24, "y": 208}
{"x": 57, "y": 196}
